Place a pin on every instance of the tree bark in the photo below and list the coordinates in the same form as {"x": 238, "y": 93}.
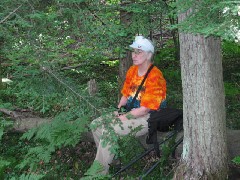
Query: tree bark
{"x": 1, "y": 44}
{"x": 1, "y": 83}
{"x": 174, "y": 34}
{"x": 125, "y": 62}
{"x": 124, "y": 65}
{"x": 205, "y": 145}
{"x": 24, "y": 120}
{"x": 92, "y": 87}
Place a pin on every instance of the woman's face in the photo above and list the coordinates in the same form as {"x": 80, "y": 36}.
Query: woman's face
{"x": 140, "y": 57}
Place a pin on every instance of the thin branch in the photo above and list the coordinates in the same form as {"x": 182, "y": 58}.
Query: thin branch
{"x": 63, "y": 83}
{"x": 2, "y": 21}
{"x": 81, "y": 64}
{"x": 92, "y": 13}
{"x": 72, "y": 67}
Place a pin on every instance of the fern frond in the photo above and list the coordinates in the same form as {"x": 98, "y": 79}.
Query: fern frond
{"x": 3, "y": 163}
{"x": 35, "y": 155}
{"x": 29, "y": 134}
{"x": 94, "y": 172}
{"x": 68, "y": 133}
{"x": 63, "y": 131}
{"x": 44, "y": 132}
{"x": 29, "y": 177}
{"x": 3, "y": 125}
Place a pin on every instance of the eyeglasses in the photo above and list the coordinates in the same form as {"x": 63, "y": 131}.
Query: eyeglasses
{"x": 137, "y": 51}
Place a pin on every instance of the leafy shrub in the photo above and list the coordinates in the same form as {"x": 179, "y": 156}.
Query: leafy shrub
{"x": 165, "y": 57}
{"x": 3, "y": 165}
{"x": 65, "y": 130}
{"x": 29, "y": 177}
{"x": 230, "y": 49}
{"x": 4, "y": 124}
{"x": 236, "y": 160}
{"x": 231, "y": 89}
{"x": 94, "y": 172}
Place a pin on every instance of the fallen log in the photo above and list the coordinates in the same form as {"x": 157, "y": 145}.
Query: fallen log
{"x": 12, "y": 114}
{"x": 24, "y": 120}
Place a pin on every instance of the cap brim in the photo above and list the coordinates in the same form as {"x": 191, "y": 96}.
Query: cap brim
{"x": 134, "y": 45}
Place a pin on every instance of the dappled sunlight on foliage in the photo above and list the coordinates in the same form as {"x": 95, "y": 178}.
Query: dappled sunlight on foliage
{"x": 50, "y": 50}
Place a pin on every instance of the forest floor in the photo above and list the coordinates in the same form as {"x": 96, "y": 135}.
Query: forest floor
{"x": 74, "y": 161}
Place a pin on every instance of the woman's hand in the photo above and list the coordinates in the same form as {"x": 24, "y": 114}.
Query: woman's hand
{"x": 123, "y": 117}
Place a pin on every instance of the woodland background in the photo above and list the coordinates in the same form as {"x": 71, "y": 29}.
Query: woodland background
{"x": 51, "y": 50}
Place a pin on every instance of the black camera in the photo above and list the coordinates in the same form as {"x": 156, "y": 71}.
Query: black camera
{"x": 122, "y": 110}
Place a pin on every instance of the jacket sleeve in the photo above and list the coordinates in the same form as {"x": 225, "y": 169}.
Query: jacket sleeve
{"x": 126, "y": 86}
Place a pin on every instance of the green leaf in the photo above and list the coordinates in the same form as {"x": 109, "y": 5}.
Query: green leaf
{"x": 1, "y": 132}
{"x": 95, "y": 172}
{"x": 236, "y": 160}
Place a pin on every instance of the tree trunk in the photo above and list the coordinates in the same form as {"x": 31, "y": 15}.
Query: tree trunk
{"x": 124, "y": 65}
{"x": 1, "y": 83}
{"x": 1, "y": 44}
{"x": 205, "y": 146}
{"x": 174, "y": 34}
{"x": 125, "y": 62}
{"x": 92, "y": 87}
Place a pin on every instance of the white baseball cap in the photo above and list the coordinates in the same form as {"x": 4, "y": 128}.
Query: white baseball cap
{"x": 143, "y": 44}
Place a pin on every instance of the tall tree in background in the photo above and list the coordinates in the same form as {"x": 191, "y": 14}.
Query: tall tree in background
{"x": 126, "y": 61}
{"x": 1, "y": 57}
{"x": 1, "y": 84}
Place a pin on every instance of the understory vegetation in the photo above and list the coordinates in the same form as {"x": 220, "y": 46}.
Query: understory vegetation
{"x": 56, "y": 150}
